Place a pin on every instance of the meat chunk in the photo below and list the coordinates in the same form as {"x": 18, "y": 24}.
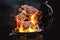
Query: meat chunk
{"x": 26, "y": 24}
{"x": 21, "y": 17}
{"x": 29, "y": 9}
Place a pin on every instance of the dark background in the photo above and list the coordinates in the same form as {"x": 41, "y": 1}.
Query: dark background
{"x": 8, "y": 7}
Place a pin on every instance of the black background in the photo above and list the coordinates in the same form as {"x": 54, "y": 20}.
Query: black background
{"x": 6, "y": 8}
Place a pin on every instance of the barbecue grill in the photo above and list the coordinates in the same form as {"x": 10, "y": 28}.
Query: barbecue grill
{"x": 46, "y": 23}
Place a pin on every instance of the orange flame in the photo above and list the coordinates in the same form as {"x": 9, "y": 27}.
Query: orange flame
{"x": 32, "y": 28}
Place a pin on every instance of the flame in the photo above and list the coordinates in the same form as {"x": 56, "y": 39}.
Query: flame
{"x": 21, "y": 29}
{"x": 32, "y": 28}
{"x": 34, "y": 21}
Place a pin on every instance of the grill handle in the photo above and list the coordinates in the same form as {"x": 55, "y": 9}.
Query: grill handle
{"x": 51, "y": 12}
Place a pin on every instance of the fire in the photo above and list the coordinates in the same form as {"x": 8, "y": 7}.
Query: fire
{"x": 32, "y": 28}
{"x": 34, "y": 21}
